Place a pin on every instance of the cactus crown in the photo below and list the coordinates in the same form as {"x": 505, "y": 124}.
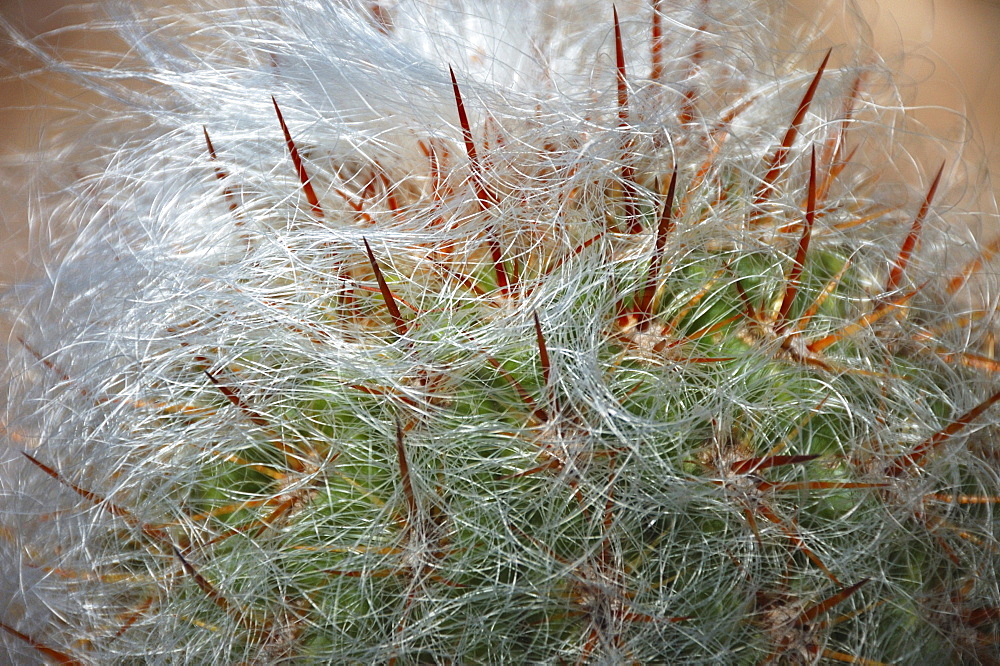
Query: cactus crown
{"x": 604, "y": 344}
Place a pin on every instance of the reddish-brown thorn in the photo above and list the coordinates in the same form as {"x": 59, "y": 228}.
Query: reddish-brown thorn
{"x": 370, "y": 188}
{"x": 976, "y": 264}
{"x": 864, "y": 219}
{"x": 261, "y": 523}
{"x": 865, "y": 321}
{"x": 656, "y": 47}
{"x": 515, "y": 269}
{"x": 816, "y": 485}
{"x": 831, "y": 175}
{"x": 266, "y": 522}
{"x": 133, "y": 617}
{"x": 226, "y": 510}
{"x": 381, "y": 178}
{"x": 814, "y": 611}
{"x": 663, "y": 229}
{"x": 220, "y": 174}
{"x": 971, "y": 360}
{"x": 754, "y": 527}
{"x": 403, "y": 301}
{"x": 792, "y": 281}
{"x": 237, "y": 401}
{"x": 55, "y": 655}
{"x": 790, "y": 532}
{"x": 522, "y": 393}
{"x": 850, "y": 659}
{"x": 86, "y": 494}
{"x": 233, "y": 396}
{"x": 113, "y": 508}
{"x": 902, "y": 463}
{"x": 576, "y": 251}
{"x": 300, "y": 168}
{"x": 896, "y": 274}
{"x": 202, "y": 582}
{"x": 464, "y": 280}
{"x": 979, "y": 616}
{"x": 503, "y": 281}
{"x": 404, "y": 474}
{"x": 390, "y": 302}
{"x": 555, "y": 463}
{"x": 713, "y": 328}
{"x": 963, "y": 499}
{"x": 777, "y": 161}
{"x": 686, "y": 114}
{"x": 358, "y": 208}
{"x": 211, "y": 152}
{"x": 620, "y": 69}
{"x": 627, "y": 171}
{"x": 46, "y": 362}
{"x": 486, "y": 200}
{"x": 751, "y": 465}
{"x": 706, "y": 359}
{"x": 543, "y": 351}
{"x": 593, "y": 638}
{"x": 794, "y": 537}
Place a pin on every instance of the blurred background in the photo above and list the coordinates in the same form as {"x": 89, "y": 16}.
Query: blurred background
{"x": 952, "y": 52}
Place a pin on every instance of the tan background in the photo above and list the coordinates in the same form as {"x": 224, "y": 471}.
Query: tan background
{"x": 956, "y": 44}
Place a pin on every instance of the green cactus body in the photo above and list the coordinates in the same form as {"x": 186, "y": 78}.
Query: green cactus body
{"x": 488, "y": 395}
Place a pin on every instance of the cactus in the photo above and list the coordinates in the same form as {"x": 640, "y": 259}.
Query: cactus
{"x": 621, "y": 341}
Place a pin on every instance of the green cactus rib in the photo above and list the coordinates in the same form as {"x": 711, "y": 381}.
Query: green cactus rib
{"x": 688, "y": 422}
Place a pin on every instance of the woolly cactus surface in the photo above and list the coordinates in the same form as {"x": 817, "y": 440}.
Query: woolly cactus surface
{"x": 478, "y": 332}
